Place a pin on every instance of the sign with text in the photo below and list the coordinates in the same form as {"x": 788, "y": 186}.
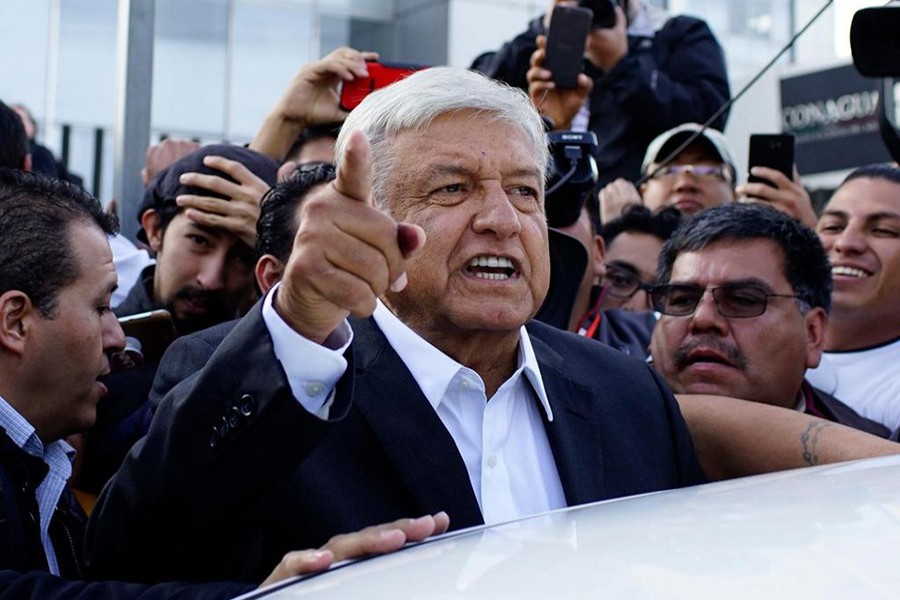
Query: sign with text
{"x": 833, "y": 115}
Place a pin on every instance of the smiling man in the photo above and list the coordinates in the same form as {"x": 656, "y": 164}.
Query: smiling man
{"x": 860, "y": 229}
{"x": 744, "y": 301}
{"x": 434, "y": 237}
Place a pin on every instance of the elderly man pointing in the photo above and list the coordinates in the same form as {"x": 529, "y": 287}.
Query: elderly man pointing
{"x": 395, "y": 369}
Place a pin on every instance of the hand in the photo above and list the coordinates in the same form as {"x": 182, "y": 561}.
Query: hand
{"x": 312, "y": 98}
{"x": 788, "y": 196}
{"x": 161, "y": 155}
{"x": 377, "y": 539}
{"x": 238, "y": 215}
{"x": 606, "y": 47}
{"x": 616, "y": 197}
{"x": 560, "y": 105}
{"x": 346, "y": 252}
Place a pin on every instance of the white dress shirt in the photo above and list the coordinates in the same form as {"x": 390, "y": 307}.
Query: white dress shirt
{"x": 503, "y": 442}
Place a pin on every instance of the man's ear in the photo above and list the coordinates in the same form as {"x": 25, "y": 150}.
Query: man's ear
{"x": 816, "y": 323}
{"x": 598, "y": 254}
{"x": 151, "y": 223}
{"x": 269, "y": 271}
{"x": 16, "y": 310}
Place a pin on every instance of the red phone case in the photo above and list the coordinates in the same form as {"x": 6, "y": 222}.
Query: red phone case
{"x": 380, "y": 75}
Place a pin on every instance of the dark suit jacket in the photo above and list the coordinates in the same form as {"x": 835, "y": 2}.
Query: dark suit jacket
{"x": 217, "y": 491}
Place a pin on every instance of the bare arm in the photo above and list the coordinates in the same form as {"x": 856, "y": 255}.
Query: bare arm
{"x": 313, "y": 97}
{"x": 736, "y": 438}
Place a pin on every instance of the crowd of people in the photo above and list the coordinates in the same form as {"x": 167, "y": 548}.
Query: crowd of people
{"x": 370, "y": 316}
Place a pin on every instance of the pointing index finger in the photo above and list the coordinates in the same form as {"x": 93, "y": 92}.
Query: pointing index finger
{"x": 354, "y": 174}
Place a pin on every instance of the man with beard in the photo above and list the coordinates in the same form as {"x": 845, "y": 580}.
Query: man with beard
{"x": 199, "y": 217}
{"x": 744, "y": 299}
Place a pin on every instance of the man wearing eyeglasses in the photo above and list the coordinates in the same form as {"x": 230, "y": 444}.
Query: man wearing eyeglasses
{"x": 701, "y": 175}
{"x": 744, "y": 296}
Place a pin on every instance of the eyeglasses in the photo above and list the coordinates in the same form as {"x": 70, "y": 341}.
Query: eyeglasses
{"x": 733, "y": 301}
{"x": 720, "y": 172}
{"x": 622, "y": 283}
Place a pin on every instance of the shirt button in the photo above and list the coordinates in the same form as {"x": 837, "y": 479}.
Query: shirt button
{"x": 492, "y": 461}
{"x": 465, "y": 383}
{"x": 314, "y": 389}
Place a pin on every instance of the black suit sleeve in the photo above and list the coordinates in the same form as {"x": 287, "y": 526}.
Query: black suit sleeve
{"x": 38, "y": 585}
{"x": 184, "y": 505}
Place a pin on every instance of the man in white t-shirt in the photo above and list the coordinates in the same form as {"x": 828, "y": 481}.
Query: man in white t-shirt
{"x": 860, "y": 229}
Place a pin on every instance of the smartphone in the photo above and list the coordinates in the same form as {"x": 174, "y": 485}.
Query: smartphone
{"x": 155, "y": 330}
{"x": 775, "y": 151}
{"x": 604, "y": 12}
{"x": 569, "y": 28}
{"x": 380, "y": 75}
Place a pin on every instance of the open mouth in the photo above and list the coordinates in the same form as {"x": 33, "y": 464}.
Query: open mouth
{"x": 706, "y": 357}
{"x": 495, "y": 268}
{"x": 845, "y": 271}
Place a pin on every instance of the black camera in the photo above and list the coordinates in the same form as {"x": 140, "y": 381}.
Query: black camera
{"x": 604, "y": 12}
{"x": 875, "y": 43}
{"x": 573, "y": 175}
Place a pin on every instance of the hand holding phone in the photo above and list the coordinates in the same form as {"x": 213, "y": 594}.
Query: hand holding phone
{"x": 772, "y": 156}
{"x": 381, "y": 74}
{"x": 775, "y": 151}
{"x": 569, "y": 28}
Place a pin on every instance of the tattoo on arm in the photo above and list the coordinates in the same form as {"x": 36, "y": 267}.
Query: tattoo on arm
{"x": 810, "y": 441}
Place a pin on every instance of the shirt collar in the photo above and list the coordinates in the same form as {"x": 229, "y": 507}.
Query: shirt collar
{"x": 23, "y": 435}
{"x": 433, "y": 370}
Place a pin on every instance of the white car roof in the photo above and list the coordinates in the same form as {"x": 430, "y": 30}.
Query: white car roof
{"x": 823, "y": 532}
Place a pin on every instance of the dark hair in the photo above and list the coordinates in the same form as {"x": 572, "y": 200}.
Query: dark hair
{"x": 805, "y": 265}
{"x": 886, "y": 172}
{"x": 277, "y": 225}
{"x": 166, "y": 186}
{"x": 640, "y": 219}
{"x": 36, "y": 256}
{"x": 13, "y": 139}
{"x": 314, "y": 132}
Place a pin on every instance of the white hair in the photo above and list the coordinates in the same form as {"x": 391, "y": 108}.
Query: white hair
{"x": 414, "y": 102}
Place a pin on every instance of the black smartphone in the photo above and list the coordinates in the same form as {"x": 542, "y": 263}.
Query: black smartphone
{"x": 775, "y": 151}
{"x": 380, "y": 75}
{"x": 604, "y": 12}
{"x": 155, "y": 330}
{"x": 569, "y": 28}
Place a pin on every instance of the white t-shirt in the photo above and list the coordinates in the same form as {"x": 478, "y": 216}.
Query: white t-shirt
{"x": 866, "y": 380}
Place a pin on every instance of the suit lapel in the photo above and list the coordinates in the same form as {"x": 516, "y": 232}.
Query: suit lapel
{"x": 575, "y": 443}
{"x": 420, "y": 447}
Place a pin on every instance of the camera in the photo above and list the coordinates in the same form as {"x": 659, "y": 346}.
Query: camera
{"x": 604, "y": 12}
{"x": 875, "y": 44}
{"x": 573, "y": 175}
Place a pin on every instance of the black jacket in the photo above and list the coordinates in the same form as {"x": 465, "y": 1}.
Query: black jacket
{"x": 23, "y": 566}
{"x": 676, "y": 76}
{"x": 234, "y": 472}
{"x": 20, "y": 535}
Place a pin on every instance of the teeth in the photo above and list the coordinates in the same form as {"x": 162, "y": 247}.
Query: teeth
{"x": 849, "y": 272}
{"x": 495, "y": 276}
{"x": 491, "y": 261}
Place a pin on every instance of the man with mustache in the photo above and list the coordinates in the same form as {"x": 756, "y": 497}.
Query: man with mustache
{"x": 744, "y": 297}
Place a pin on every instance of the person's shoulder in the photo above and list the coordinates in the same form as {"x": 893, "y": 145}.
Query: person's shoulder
{"x": 211, "y": 336}
{"x": 681, "y": 24}
{"x": 573, "y": 349}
